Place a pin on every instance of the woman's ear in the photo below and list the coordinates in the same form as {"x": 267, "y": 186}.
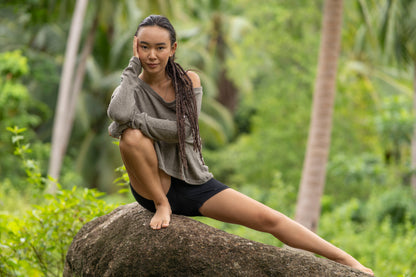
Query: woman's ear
{"x": 173, "y": 49}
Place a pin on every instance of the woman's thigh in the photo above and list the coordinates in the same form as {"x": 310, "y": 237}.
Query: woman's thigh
{"x": 234, "y": 207}
{"x": 140, "y": 160}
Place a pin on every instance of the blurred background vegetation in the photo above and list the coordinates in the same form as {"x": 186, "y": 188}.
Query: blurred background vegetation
{"x": 257, "y": 61}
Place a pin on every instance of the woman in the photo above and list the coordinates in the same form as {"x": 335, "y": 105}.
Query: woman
{"x": 155, "y": 112}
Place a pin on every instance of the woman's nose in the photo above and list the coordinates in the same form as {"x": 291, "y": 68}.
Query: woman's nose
{"x": 152, "y": 54}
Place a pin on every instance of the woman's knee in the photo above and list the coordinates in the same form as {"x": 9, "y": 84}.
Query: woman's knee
{"x": 133, "y": 138}
{"x": 268, "y": 220}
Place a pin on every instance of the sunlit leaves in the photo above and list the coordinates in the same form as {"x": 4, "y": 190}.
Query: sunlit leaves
{"x": 38, "y": 242}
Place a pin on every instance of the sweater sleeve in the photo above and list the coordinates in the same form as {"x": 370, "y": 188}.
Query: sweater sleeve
{"x": 163, "y": 129}
{"x": 116, "y": 130}
{"x": 121, "y": 107}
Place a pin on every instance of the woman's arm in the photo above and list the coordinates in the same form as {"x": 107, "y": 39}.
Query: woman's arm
{"x": 121, "y": 107}
{"x": 116, "y": 130}
{"x": 155, "y": 128}
{"x": 159, "y": 129}
{"x": 164, "y": 129}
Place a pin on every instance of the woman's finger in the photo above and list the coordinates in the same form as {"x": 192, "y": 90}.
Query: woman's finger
{"x": 135, "y": 47}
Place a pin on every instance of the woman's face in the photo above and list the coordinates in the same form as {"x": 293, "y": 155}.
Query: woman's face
{"x": 154, "y": 48}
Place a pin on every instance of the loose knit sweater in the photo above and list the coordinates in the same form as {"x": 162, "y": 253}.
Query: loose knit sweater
{"x": 134, "y": 104}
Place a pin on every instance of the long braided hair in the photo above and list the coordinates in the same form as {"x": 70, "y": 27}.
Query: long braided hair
{"x": 186, "y": 107}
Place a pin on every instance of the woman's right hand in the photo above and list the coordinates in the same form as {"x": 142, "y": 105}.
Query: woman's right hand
{"x": 136, "y": 47}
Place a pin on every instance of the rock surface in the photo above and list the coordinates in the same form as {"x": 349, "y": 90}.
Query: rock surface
{"x": 122, "y": 244}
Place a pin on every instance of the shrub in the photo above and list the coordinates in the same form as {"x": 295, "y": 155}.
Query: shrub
{"x": 17, "y": 107}
{"x": 379, "y": 240}
{"x": 35, "y": 242}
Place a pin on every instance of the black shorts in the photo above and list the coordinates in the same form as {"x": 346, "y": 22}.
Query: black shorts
{"x": 184, "y": 199}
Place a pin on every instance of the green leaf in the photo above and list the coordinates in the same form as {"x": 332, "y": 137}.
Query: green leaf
{"x": 16, "y": 139}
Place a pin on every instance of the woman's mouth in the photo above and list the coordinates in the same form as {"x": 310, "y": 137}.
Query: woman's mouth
{"x": 152, "y": 65}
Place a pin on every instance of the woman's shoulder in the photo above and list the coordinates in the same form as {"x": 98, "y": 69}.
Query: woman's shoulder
{"x": 196, "y": 81}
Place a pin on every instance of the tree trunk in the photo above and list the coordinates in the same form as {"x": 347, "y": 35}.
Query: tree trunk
{"x": 227, "y": 91}
{"x": 64, "y": 96}
{"x": 78, "y": 81}
{"x": 413, "y": 179}
{"x": 314, "y": 169}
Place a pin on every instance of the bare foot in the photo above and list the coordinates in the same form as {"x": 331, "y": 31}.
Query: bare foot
{"x": 350, "y": 261}
{"x": 161, "y": 219}
{"x": 363, "y": 269}
{"x": 366, "y": 270}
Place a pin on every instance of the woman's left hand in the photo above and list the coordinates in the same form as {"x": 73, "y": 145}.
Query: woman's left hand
{"x": 136, "y": 47}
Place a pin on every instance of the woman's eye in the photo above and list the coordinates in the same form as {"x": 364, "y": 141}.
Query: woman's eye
{"x": 161, "y": 48}
{"x": 144, "y": 47}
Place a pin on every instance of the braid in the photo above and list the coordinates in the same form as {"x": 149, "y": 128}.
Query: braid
{"x": 186, "y": 108}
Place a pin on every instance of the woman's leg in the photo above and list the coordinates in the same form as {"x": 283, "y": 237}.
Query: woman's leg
{"x": 233, "y": 207}
{"x": 139, "y": 158}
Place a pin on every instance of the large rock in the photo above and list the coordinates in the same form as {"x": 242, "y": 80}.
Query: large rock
{"x": 122, "y": 244}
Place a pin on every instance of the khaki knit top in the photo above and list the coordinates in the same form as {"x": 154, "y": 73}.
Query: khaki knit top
{"x": 134, "y": 104}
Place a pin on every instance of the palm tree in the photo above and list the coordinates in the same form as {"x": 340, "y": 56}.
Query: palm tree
{"x": 390, "y": 29}
{"x": 314, "y": 170}
{"x": 219, "y": 31}
{"x": 59, "y": 134}
{"x": 397, "y": 34}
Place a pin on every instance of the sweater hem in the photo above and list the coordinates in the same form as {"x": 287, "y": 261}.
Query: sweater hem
{"x": 190, "y": 181}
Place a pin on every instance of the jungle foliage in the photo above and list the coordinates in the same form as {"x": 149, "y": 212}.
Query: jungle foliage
{"x": 269, "y": 53}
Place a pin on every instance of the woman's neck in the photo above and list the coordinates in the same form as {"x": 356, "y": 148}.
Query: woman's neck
{"x": 154, "y": 79}
{"x": 161, "y": 84}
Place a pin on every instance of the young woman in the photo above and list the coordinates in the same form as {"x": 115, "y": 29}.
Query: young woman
{"x": 155, "y": 112}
